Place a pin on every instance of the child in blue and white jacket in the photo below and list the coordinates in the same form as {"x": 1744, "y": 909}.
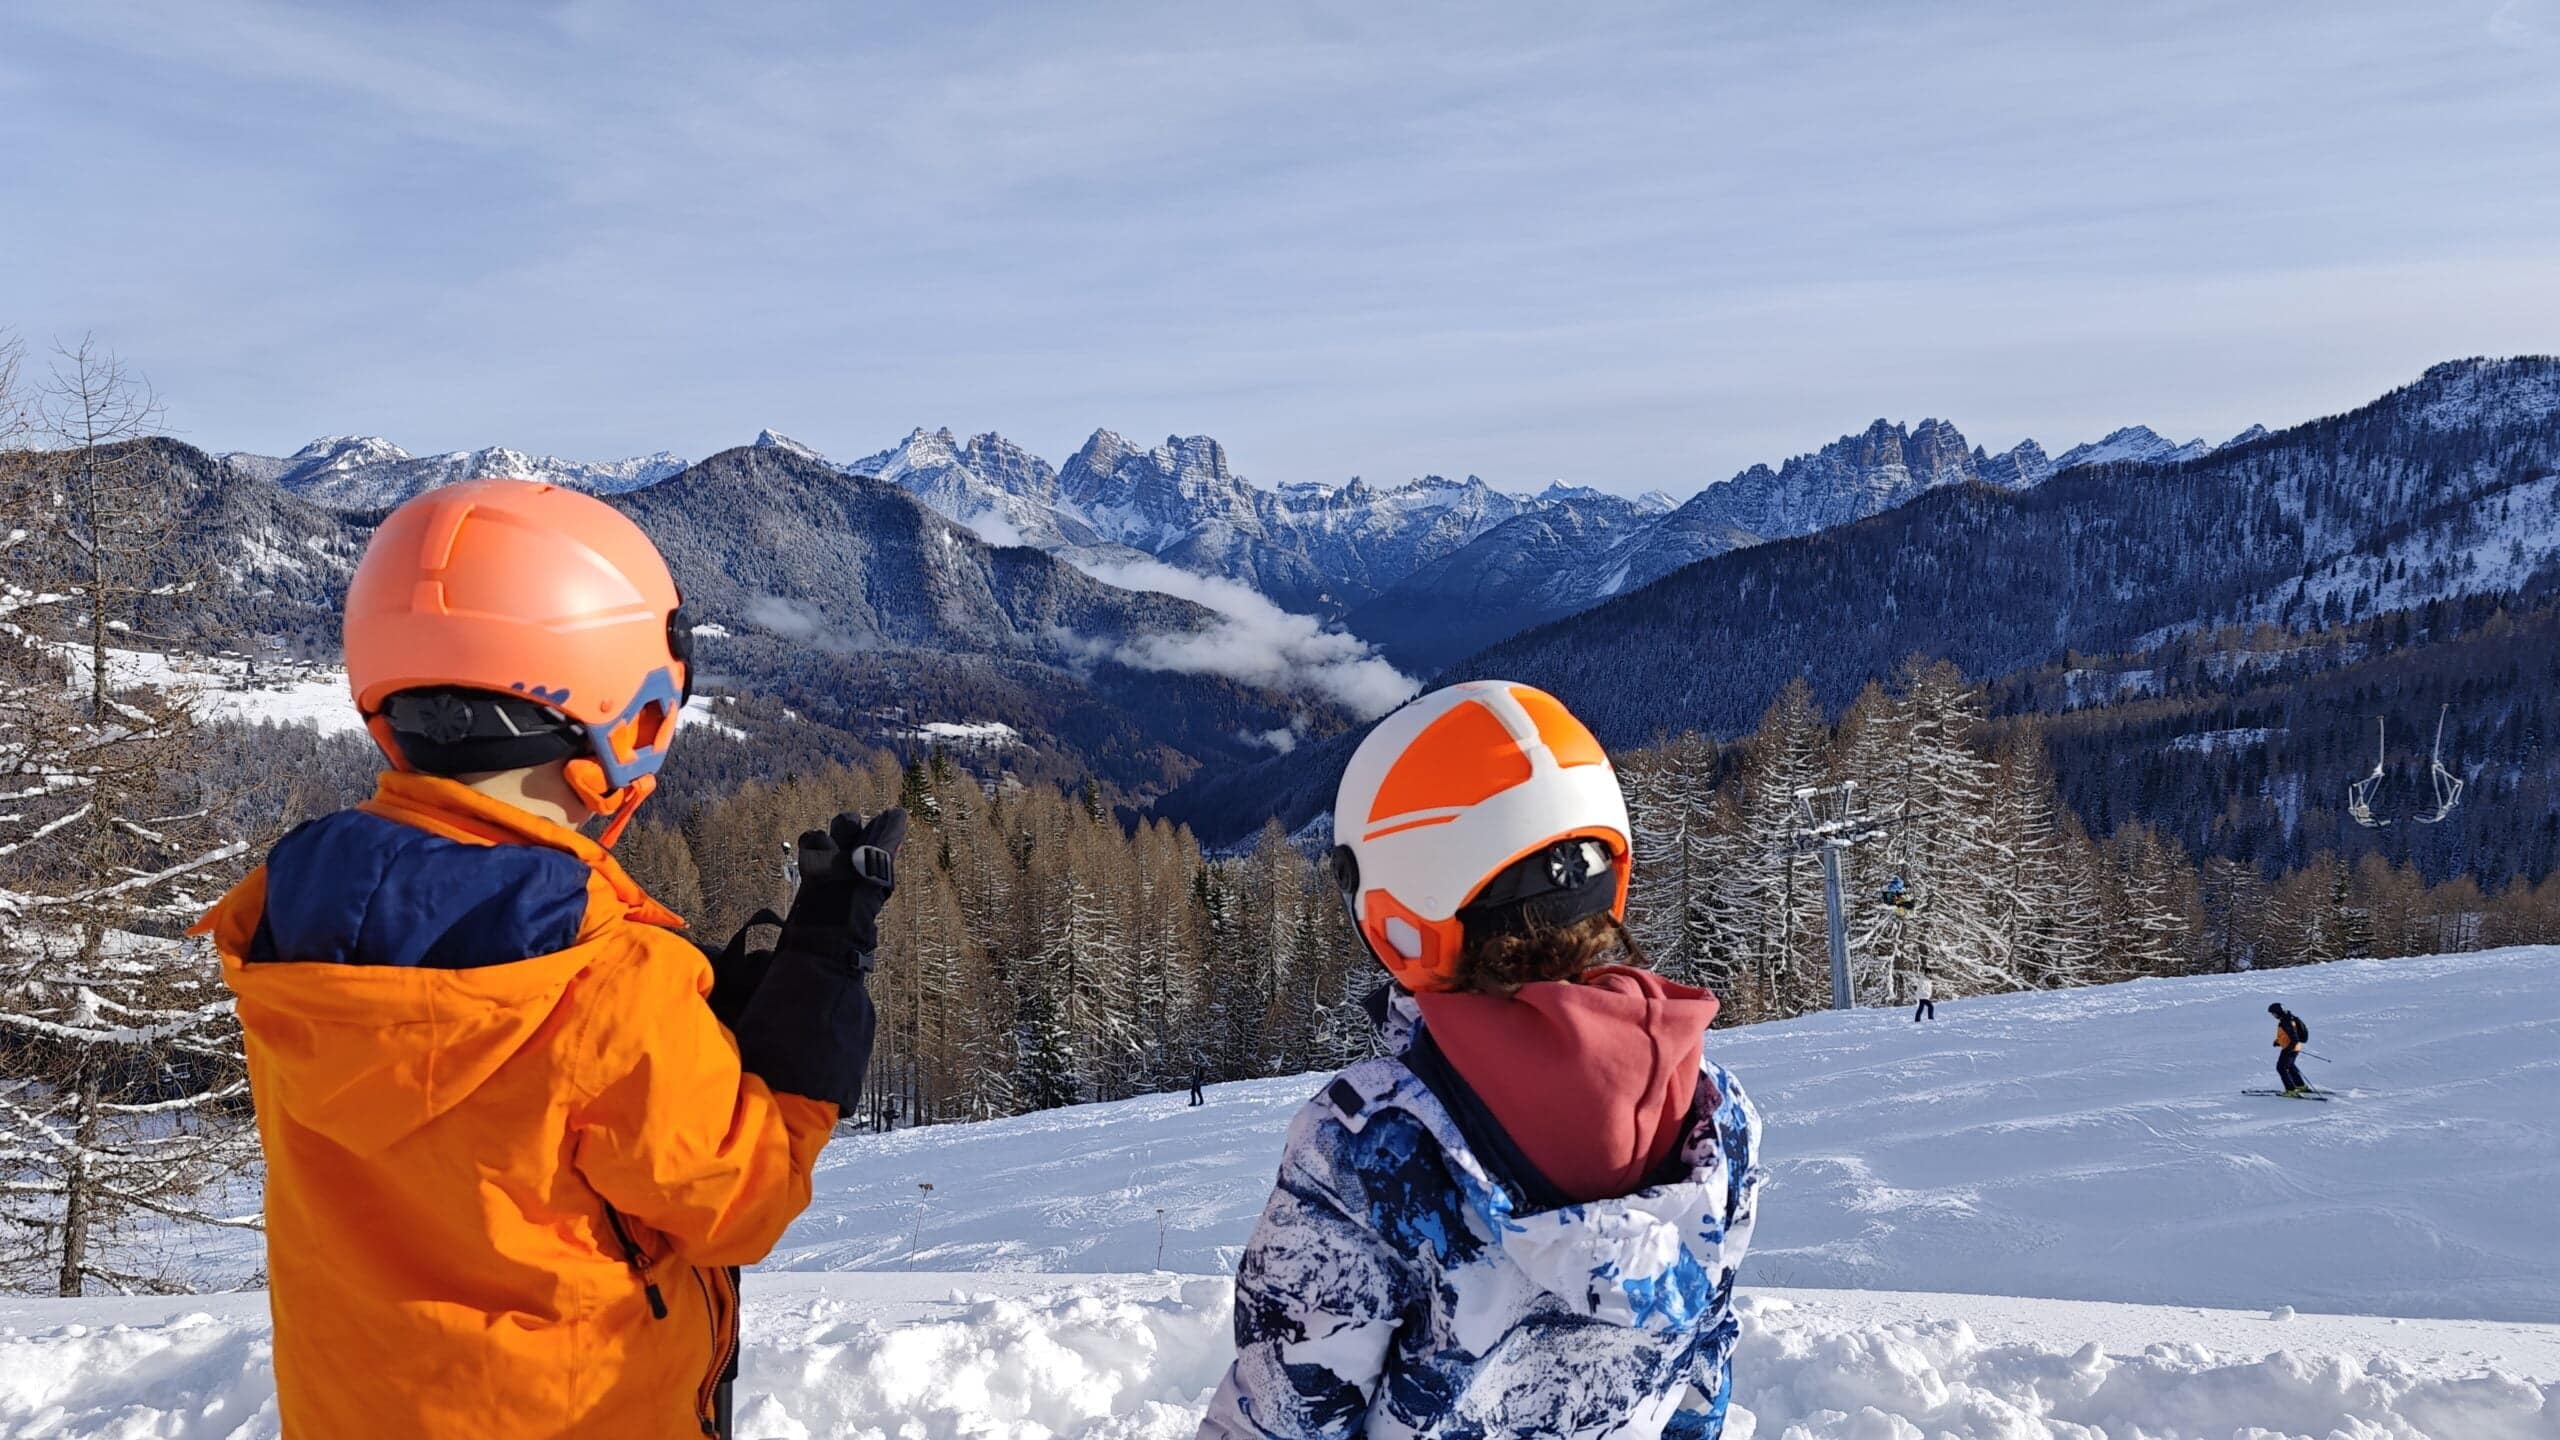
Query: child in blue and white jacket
{"x": 1525, "y": 1218}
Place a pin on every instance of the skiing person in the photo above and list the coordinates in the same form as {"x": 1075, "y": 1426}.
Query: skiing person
{"x": 1923, "y": 989}
{"x": 1199, "y": 1076}
{"x": 516, "y": 1131}
{"x": 1525, "y": 1220}
{"x": 1896, "y": 894}
{"x": 2291, "y": 1036}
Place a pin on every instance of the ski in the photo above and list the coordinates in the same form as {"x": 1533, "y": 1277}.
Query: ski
{"x": 2305, "y": 1095}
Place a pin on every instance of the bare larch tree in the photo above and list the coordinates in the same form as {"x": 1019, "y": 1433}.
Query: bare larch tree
{"x": 123, "y": 1097}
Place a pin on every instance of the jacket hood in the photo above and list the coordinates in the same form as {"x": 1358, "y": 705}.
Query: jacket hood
{"x": 1594, "y": 1079}
{"x": 367, "y": 1056}
{"x": 388, "y": 960}
{"x": 1661, "y": 1259}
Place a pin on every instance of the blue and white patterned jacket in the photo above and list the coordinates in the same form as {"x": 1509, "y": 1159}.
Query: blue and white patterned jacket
{"x": 1395, "y": 1289}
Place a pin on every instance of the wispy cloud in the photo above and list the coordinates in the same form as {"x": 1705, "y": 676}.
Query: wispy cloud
{"x": 1644, "y": 245}
{"x": 1259, "y": 643}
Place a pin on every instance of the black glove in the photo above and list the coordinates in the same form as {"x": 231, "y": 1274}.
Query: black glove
{"x": 847, "y": 873}
{"x": 738, "y": 968}
{"x": 806, "y": 1025}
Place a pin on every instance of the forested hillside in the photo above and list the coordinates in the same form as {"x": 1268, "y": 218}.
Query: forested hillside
{"x": 2442, "y": 488}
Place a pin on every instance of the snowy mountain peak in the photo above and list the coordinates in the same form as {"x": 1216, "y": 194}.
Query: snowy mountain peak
{"x": 1657, "y": 502}
{"x": 2021, "y": 467}
{"x": 364, "y": 472}
{"x": 347, "y": 451}
{"x": 990, "y": 484}
{"x": 775, "y": 440}
{"x": 2137, "y": 444}
{"x": 2253, "y": 433}
{"x": 1558, "y": 490}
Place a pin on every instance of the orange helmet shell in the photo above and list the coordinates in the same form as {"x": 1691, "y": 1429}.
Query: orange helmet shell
{"x": 1448, "y": 792}
{"x": 524, "y": 589}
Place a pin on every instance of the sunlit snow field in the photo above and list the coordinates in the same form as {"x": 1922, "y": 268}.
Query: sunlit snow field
{"x": 2381, "y": 1265}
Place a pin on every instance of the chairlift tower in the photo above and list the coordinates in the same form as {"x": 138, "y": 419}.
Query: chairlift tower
{"x": 1827, "y": 823}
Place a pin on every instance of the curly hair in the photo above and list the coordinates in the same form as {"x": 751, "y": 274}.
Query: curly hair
{"x": 1499, "y": 964}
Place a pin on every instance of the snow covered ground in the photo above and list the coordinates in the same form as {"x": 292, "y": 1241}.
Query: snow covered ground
{"x": 2077, "y": 1144}
{"x": 227, "y": 688}
{"x": 2088, "y": 1147}
{"x": 1129, "y": 1356}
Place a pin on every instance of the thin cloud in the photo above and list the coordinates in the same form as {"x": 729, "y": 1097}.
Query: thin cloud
{"x": 1258, "y": 643}
{"x": 1645, "y": 248}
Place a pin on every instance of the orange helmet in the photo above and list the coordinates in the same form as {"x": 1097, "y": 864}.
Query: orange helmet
{"x": 1484, "y": 806}
{"x": 489, "y": 614}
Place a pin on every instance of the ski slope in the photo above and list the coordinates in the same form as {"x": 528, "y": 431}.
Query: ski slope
{"x": 2046, "y": 1215}
{"x": 2079, "y": 1144}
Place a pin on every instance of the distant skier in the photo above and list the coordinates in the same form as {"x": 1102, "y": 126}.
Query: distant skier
{"x": 1896, "y": 894}
{"x": 1199, "y": 1096}
{"x": 1524, "y": 1219}
{"x": 2291, "y": 1036}
{"x": 1923, "y": 989}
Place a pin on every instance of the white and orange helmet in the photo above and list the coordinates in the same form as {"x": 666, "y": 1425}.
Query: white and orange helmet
{"x": 1484, "y": 804}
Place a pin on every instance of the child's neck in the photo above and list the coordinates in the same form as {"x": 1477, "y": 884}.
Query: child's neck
{"x": 542, "y": 792}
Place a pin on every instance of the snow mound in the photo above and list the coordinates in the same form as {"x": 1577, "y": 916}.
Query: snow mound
{"x": 1135, "y": 1358}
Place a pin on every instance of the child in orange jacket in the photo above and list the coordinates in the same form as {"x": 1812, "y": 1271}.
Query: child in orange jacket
{"x": 513, "y": 1150}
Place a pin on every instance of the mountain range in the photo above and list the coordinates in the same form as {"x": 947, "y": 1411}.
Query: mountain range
{"x": 962, "y": 581}
{"x": 1427, "y": 570}
{"x": 842, "y": 598}
{"x": 2445, "y": 488}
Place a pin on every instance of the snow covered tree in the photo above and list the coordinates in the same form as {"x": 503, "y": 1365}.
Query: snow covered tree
{"x": 2042, "y": 916}
{"x": 1672, "y": 904}
{"x": 1774, "y": 895}
{"x": 2155, "y": 912}
{"x": 122, "y": 1090}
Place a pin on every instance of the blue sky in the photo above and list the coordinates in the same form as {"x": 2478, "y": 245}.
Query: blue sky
{"x": 1629, "y": 245}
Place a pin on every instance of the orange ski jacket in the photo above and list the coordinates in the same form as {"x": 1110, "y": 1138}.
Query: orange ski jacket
{"x": 510, "y": 1152}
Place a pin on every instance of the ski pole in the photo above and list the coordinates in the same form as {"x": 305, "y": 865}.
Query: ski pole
{"x": 2323, "y": 1059}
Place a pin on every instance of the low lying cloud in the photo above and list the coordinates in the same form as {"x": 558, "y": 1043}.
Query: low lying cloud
{"x": 793, "y": 620}
{"x": 992, "y": 527}
{"x": 1257, "y": 642}
{"x": 1283, "y": 740}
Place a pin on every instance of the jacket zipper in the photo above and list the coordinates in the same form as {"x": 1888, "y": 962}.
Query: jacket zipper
{"x": 719, "y": 1295}
{"x": 638, "y": 1260}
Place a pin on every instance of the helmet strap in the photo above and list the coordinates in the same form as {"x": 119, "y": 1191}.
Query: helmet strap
{"x": 587, "y": 780}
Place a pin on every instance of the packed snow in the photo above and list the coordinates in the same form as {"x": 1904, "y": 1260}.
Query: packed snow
{"x": 230, "y": 688}
{"x": 981, "y": 734}
{"x": 1134, "y": 1357}
{"x": 2041, "y": 1215}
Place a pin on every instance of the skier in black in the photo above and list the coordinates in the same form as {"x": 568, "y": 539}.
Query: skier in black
{"x": 2291, "y": 1036}
{"x": 1198, "y": 1097}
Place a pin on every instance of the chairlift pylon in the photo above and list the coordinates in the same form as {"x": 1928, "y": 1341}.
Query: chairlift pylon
{"x": 2447, "y": 785}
